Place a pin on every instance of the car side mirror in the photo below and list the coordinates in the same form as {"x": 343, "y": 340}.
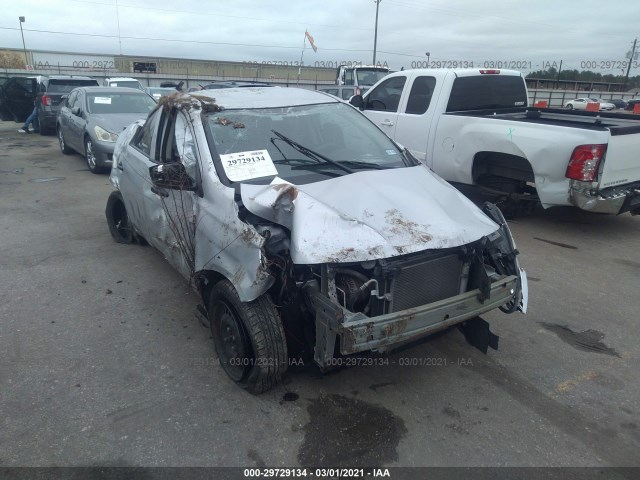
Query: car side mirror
{"x": 76, "y": 111}
{"x": 172, "y": 176}
{"x": 357, "y": 101}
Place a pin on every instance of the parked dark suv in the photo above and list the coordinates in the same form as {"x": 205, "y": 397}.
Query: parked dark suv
{"x": 52, "y": 91}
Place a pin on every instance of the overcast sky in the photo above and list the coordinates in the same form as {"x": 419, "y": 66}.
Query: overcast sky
{"x": 529, "y": 33}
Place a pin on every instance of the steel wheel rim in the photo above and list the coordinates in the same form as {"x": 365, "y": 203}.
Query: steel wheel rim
{"x": 234, "y": 347}
{"x": 91, "y": 158}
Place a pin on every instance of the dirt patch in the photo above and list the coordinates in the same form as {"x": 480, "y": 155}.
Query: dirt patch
{"x": 399, "y": 225}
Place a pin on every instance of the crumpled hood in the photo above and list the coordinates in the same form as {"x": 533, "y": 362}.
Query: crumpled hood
{"x": 369, "y": 215}
{"x": 116, "y": 122}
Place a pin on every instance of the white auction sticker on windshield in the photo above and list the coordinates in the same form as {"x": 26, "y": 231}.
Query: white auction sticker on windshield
{"x": 247, "y": 165}
{"x": 105, "y": 100}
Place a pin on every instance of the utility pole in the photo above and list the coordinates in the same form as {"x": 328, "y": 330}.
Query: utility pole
{"x": 631, "y": 58}
{"x": 375, "y": 35}
{"x": 26, "y": 61}
{"x": 558, "y": 76}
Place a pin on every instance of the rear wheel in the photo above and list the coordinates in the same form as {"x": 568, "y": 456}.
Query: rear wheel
{"x": 248, "y": 337}
{"x": 117, "y": 219}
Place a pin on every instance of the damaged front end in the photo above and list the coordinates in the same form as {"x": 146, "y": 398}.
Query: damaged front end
{"x": 348, "y": 307}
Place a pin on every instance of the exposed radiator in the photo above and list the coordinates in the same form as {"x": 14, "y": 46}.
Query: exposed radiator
{"x": 425, "y": 282}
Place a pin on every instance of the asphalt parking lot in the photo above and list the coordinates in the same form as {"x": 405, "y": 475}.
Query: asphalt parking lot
{"x": 102, "y": 361}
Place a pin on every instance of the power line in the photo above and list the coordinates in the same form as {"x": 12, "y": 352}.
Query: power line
{"x": 201, "y": 13}
{"x": 180, "y": 41}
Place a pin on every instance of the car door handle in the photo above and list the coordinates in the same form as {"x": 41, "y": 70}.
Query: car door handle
{"x": 387, "y": 123}
{"x": 160, "y": 191}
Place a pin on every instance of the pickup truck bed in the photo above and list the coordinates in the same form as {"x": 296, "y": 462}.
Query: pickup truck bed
{"x": 473, "y": 127}
{"x": 616, "y": 123}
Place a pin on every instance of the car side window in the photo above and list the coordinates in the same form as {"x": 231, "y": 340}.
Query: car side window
{"x": 177, "y": 144}
{"x": 184, "y": 145}
{"x": 348, "y": 77}
{"x": 347, "y": 93}
{"x": 143, "y": 139}
{"x": 20, "y": 86}
{"x": 71, "y": 99}
{"x": 420, "y": 95}
{"x": 386, "y": 96}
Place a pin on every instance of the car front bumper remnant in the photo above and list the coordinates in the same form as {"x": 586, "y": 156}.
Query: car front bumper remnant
{"x": 358, "y": 333}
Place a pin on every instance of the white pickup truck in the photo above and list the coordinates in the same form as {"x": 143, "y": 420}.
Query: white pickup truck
{"x": 474, "y": 127}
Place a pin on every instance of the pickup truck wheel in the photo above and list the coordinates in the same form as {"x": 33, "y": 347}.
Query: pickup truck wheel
{"x": 249, "y": 338}
{"x": 63, "y": 146}
{"x": 117, "y": 219}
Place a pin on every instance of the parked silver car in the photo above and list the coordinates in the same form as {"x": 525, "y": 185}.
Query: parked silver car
{"x": 92, "y": 117}
{"x": 309, "y": 234}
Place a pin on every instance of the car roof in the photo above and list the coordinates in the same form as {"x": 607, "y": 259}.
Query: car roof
{"x": 111, "y": 90}
{"x": 112, "y": 79}
{"x": 66, "y": 77}
{"x": 233, "y": 83}
{"x": 264, "y": 97}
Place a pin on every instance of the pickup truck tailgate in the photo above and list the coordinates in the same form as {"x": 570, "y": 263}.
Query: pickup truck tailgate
{"x": 622, "y": 161}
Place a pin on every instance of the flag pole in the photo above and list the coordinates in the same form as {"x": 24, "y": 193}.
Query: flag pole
{"x": 304, "y": 45}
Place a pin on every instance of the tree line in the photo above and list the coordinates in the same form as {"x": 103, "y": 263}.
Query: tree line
{"x": 585, "y": 76}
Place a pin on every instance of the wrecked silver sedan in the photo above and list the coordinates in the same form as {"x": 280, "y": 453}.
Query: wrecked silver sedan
{"x": 309, "y": 234}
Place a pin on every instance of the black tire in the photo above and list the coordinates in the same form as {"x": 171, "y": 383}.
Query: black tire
{"x": 249, "y": 338}
{"x": 117, "y": 219}
{"x": 140, "y": 240}
{"x": 64, "y": 148}
{"x": 44, "y": 131}
{"x": 569, "y": 106}
{"x": 90, "y": 156}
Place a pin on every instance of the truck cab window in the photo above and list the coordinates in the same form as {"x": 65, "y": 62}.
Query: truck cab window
{"x": 420, "y": 95}
{"x": 386, "y": 96}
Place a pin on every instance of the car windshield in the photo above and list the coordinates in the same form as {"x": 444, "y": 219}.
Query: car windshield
{"x": 370, "y": 76}
{"x": 301, "y": 144}
{"x": 106, "y": 102}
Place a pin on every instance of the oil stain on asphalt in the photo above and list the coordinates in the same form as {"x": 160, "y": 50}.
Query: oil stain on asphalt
{"x": 344, "y": 432}
{"x": 588, "y": 341}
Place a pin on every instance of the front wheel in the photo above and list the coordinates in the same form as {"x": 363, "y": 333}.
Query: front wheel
{"x": 248, "y": 337}
{"x": 63, "y": 145}
{"x": 117, "y": 219}
{"x": 90, "y": 155}
{"x": 568, "y": 106}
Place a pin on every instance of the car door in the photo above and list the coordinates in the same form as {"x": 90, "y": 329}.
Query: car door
{"x": 20, "y": 93}
{"x": 382, "y": 102}
{"x": 174, "y": 180}
{"x": 64, "y": 119}
{"x": 413, "y": 122}
{"x": 78, "y": 111}
{"x": 134, "y": 179}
